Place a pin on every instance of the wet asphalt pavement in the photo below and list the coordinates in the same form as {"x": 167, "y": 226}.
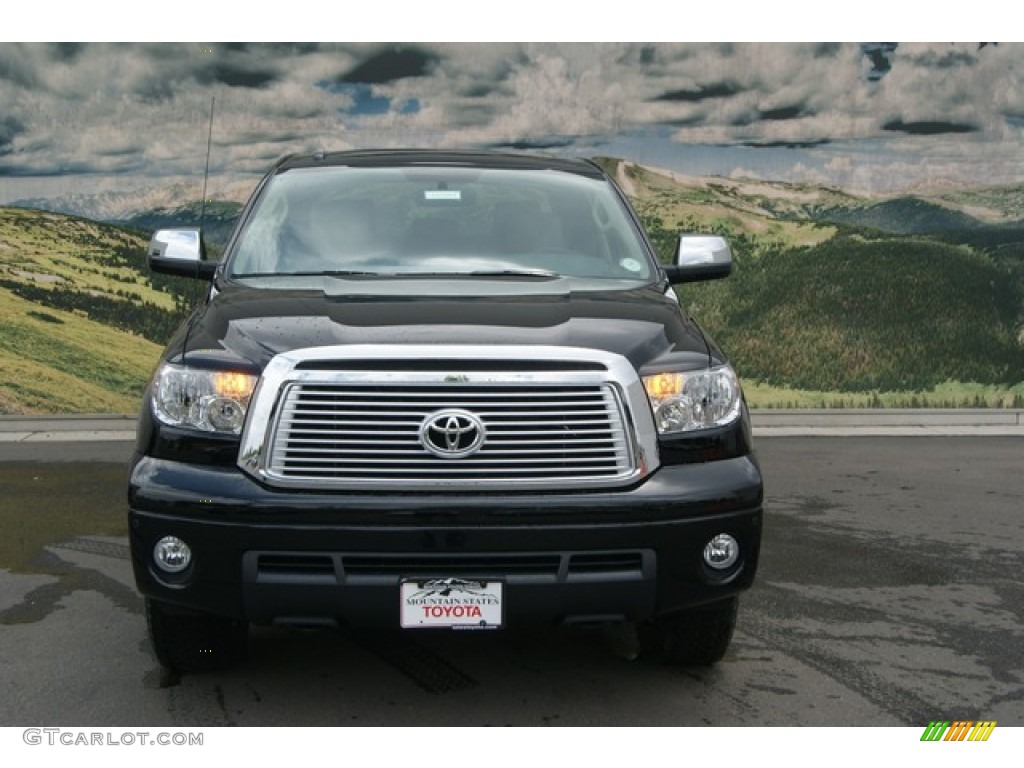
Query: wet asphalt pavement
{"x": 889, "y": 593}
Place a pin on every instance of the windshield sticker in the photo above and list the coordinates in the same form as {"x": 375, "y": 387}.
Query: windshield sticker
{"x": 631, "y": 264}
{"x": 442, "y": 194}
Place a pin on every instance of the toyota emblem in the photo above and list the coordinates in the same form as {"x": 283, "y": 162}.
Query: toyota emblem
{"x": 452, "y": 433}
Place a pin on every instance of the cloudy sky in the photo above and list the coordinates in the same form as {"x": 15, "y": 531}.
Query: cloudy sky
{"x": 873, "y": 117}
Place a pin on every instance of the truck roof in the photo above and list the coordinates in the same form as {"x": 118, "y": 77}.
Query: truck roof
{"x": 385, "y": 158}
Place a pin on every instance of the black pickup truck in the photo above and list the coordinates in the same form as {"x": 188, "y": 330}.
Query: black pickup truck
{"x": 429, "y": 390}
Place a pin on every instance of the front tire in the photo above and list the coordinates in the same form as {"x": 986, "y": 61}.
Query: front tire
{"x": 694, "y": 637}
{"x": 188, "y": 641}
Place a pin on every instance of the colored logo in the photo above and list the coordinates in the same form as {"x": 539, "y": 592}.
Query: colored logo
{"x": 958, "y": 730}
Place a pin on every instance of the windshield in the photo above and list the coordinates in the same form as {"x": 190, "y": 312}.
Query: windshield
{"x": 529, "y": 224}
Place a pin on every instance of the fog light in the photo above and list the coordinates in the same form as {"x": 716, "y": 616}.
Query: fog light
{"x": 721, "y": 552}
{"x": 172, "y": 555}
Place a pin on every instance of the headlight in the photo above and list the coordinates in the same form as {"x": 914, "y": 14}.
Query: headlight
{"x": 684, "y": 401}
{"x": 213, "y": 401}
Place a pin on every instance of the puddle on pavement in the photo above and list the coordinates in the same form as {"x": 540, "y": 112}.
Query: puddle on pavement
{"x": 47, "y": 504}
{"x": 47, "y": 509}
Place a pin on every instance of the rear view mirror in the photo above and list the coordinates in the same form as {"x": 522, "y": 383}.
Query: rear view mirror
{"x": 700, "y": 257}
{"x": 179, "y": 252}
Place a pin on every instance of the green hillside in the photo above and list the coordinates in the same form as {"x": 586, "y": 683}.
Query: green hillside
{"x": 860, "y": 315}
{"x": 902, "y": 216}
{"x": 867, "y": 305}
{"x": 81, "y": 324}
{"x": 774, "y": 214}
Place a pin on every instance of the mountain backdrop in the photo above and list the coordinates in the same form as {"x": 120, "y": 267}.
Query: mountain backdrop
{"x": 836, "y": 299}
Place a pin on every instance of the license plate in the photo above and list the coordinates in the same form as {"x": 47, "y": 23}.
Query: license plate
{"x": 451, "y": 604}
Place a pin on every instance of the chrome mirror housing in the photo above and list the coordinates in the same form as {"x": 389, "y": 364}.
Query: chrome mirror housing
{"x": 700, "y": 257}
{"x": 179, "y": 252}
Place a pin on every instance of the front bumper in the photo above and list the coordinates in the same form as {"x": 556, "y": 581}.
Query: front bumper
{"x": 272, "y": 556}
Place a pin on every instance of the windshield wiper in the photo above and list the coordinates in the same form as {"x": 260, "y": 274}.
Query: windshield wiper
{"x": 540, "y": 274}
{"x": 311, "y": 273}
{"x": 544, "y": 273}
{"x": 534, "y": 273}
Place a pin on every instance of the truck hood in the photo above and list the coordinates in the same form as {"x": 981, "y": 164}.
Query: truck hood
{"x": 249, "y": 326}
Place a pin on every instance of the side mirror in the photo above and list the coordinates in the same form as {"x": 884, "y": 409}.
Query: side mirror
{"x": 700, "y": 257}
{"x": 179, "y": 252}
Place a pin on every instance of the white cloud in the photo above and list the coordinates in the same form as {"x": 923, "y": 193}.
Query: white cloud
{"x": 129, "y": 109}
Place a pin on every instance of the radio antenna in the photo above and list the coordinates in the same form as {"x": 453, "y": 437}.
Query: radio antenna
{"x": 206, "y": 173}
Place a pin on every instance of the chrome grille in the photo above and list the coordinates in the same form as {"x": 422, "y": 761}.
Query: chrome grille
{"x": 405, "y": 417}
{"x": 362, "y": 433}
